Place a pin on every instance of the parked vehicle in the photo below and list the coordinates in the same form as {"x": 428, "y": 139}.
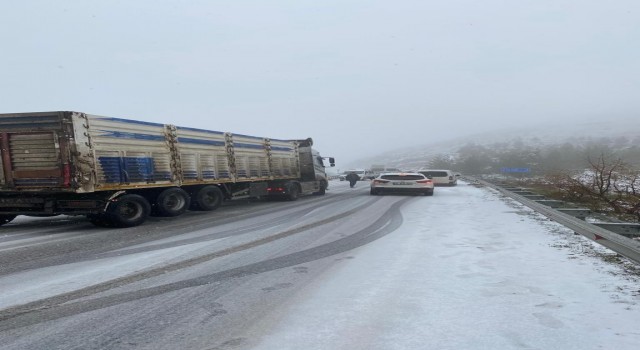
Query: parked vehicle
{"x": 402, "y": 183}
{"x": 440, "y": 177}
{"x": 363, "y": 174}
{"x": 375, "y": 172}
{"x": 118, "y": 171}
{"x": 368, "y": 175}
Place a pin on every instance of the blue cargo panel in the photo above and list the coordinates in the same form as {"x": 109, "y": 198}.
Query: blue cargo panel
{"x": 111, "y": 169}
{"x": 131, "y": 170}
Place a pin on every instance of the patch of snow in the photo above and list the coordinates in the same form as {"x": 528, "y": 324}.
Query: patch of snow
{"x": 466, "y": 270}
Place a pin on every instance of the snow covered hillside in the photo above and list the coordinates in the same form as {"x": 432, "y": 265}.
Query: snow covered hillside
{"x": 577, "y": 132}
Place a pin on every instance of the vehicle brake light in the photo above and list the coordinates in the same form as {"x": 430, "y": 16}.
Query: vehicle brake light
{"x": 427, "y": 181}
{"x": 380, "y": 181}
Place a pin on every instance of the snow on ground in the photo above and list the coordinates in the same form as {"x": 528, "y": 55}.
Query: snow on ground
{"x": 468, "y": 269}
{"x": 32, "y": 285}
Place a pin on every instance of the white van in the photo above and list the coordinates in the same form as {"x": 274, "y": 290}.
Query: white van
{"x": 440, "y": 177}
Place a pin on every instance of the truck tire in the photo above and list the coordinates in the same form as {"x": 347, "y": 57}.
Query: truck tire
{"x": 100, "y": 220}
{"x": 128, "y": 210}
{"x": 172, "y": 202}
{"x": 293, "y": 192}
{"x": 323, "y": 189}
{"x": 4, "y": 219}
{"x": 207, "y": 198}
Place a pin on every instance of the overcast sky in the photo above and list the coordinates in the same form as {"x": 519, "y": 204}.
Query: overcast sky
{"x": 361, "y": 77}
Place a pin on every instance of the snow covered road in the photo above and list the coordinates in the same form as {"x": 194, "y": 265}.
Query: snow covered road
{"x": 464, "y": 269}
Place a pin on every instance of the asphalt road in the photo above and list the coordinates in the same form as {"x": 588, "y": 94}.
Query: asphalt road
{"x": 193, "y": 282}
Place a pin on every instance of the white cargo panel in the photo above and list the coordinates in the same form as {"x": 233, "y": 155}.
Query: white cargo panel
{"x": 251, "y": 157}
{"x": 203, "y": 156}
{"x": 129, "y": 152}
{"x": 284, "y": 159}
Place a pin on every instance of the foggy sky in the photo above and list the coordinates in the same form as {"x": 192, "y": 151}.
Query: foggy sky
{"x": 361, "y": 77}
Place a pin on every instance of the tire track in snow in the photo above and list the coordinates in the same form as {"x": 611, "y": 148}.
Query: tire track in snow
{"x": 63, "y": 305}
{"x": 54, "y": 251}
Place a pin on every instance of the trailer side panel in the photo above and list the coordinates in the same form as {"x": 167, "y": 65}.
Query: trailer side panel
{"x": 130, "y": 154}
{"x": 203, "y": 156}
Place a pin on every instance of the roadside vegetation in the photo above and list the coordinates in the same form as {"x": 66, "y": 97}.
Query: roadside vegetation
{"x": 603, "y": 175}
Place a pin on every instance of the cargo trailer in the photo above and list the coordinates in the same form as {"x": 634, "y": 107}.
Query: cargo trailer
{"x": 119, "y": 171}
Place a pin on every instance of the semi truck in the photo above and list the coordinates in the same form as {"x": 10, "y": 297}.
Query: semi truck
{"x": 119, "y": 171}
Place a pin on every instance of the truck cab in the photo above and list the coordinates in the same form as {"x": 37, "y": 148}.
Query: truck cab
{"x": 312, "y": 167}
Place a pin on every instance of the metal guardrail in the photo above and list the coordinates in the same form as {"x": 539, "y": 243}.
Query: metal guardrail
{"x": 626, "y": 229}
{"x": 619, "y": 244}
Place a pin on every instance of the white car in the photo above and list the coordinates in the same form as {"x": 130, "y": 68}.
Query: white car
{"x": 440, "y": 177}
{"x": 402, "y": 183}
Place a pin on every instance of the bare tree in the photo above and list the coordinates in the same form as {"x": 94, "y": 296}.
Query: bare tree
{"x": 609, "y": 184}
{"x": 627, "y": 188}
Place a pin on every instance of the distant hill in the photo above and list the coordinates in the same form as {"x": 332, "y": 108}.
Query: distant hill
{"x": 622, "y": 132}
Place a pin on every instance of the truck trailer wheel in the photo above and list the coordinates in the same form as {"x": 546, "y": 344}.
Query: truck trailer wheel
{"x": 207, "y": 198}
{"x": 100, "y": 220}
{"x": 323, "y": 189}
{"x": 293, "y": 192}
{"x": 128, "y": 210}
{"x": 6, "y": 219}
{"x": 172, "y": 202}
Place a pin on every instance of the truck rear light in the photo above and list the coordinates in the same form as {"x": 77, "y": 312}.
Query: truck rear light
{"x": 66, "y": 175}
{"x": 275, "y": 189}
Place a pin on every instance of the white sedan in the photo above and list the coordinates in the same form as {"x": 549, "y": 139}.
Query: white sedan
{"x": 402, "y": 183}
